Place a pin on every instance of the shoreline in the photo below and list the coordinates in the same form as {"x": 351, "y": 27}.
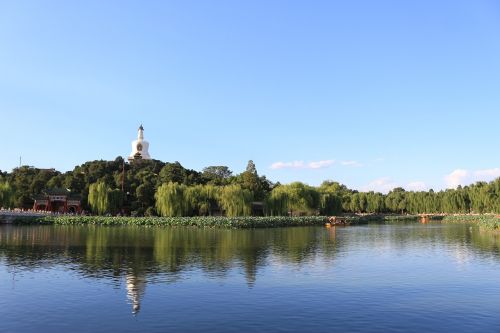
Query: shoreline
{"x": 488, "y": 222}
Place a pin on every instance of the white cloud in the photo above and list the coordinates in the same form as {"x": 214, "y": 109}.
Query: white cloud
{"x": 456, "y": 178}
{"x": 351, "y": 163}
{"x": 301, "y": 165}
{"x": 466, "y": 177}
{"x": 320, "y": 164}
{"x": 384, "y": 185}
{"x": 416, "y": 186}
{"x": 487, "y": 174}
{"x": 287, "y": 165}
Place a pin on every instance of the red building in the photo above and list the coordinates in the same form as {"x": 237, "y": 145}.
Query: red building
{"x": 58, "y": 201}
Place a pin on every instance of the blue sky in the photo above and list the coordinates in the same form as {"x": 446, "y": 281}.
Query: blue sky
{"x": 373, "y": 94}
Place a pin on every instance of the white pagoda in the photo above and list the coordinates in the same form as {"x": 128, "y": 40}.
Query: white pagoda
{"x": 140, "y": 147}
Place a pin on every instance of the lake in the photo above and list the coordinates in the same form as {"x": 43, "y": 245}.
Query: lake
{"x": 372, "y": 278}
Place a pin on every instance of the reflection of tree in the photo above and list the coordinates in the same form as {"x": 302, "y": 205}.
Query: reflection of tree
{"x": 160, "y": 254}
{"x": 487, "y": 241}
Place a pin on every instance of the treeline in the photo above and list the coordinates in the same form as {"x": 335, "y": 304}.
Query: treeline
{"x": 152, "y": 187}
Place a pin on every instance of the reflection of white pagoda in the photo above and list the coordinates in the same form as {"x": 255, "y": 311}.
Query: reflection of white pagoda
{"x": 140, "y": 147}
{"x": 136, "y": 286}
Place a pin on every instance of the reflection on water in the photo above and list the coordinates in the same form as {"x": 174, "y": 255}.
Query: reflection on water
{"x": 136, "y": 285}
{"x": 310, "y": 261}
{"x": 149, "y": 254}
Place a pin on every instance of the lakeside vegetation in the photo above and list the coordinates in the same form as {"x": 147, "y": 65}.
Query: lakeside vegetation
{"x": 154, "y": 188}
{"x": 487, "y": 222}
{"x": 198, "y": 221}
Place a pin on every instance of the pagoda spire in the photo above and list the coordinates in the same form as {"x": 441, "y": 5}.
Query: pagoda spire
{"x": 140, "y": 133}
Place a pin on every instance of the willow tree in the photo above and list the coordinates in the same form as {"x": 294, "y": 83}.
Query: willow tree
{"x": 331, "y": 194}
{"x": 295, "y": 197}
{"x": 330, "y": 204}
{"x": 495, "y": 187}
{"x": 277, "y": 201}
{"x": 170, "y": 200}
{"x": 192, "y": 197}
{"x": 235, "y": 201}
{"x": 209, "y": 195}
{"x": 302, "y": 198}
{"x": 115, "y": 200}
{"x": 98, "y": 197}
{"x": 5, "y": 194}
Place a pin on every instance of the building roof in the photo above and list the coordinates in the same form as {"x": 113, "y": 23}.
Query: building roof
{"x": 57, "y": 191}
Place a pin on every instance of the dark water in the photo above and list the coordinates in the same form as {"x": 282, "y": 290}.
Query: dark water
{"x": 378, "y": 278}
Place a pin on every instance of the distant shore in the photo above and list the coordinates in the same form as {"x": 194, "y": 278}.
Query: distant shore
{"x": 488, "y": 222}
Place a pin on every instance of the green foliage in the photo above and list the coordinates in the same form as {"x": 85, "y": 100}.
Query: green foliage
{"x": 277, "y": 202}
{"x": 98, "y": 197}
{"x": 488, "y": 222}
{"x": 395, "y": 201}
{"x": 198, "y": 221}
{"x": 296, "y": 198}
{"x": 175, "y": 173}
{"x": 170, "y": 200}
{"x": 115, "y": 201}
{"x": 5, "y": 194}
{"x": 330, "y": 204}
{"x": 202, "y": 192}
{"x": 217, "y": 175}
{"x": 250, "y": 180}
{"x": 236, "y": 201}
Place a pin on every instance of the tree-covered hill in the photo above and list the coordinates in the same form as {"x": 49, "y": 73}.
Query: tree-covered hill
{"x": 151, "y": 187}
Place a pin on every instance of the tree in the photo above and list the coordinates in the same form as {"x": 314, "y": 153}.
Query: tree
{"x": 170, "y": 200}
{"x": 395, "y": 201}
{"x": 355, "y": 203}
{"x": 331, "y": 204}
{"x": 115, "y": 201}
{"x": 176, "y": 173}
{"x": 172, "y": 172}
{"x": 217, "y": 175}
{"x": 296, "y": 197}
{"x": 5, "y": 194}
{"x": 277, "y": 202}
{"x": 75, "y": 181}
{"x": 202, "y": 199}
{"x": 250, "y": 181}
{"x": 235, "y": 200}
{"x": 98, "y": 197}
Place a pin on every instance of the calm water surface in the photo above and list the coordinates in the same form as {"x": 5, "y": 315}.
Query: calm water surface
{"x": 376, "y": 278}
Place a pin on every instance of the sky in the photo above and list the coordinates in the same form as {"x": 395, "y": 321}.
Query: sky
{"x": 373, "y": 94}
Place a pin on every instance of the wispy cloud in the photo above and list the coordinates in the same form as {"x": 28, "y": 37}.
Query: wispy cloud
{"x": 384, "y": 185}
{"x": 465, "y": 177}
{"x": 302, "y": 165}
{"x": 287, "y": 165}
{"x": 313, "y": 164}
{"x": 320, "y": 164}
{"x": 416, "y": 186}
{"x": 487, "y": 174}
{"x": 355, "y": 164}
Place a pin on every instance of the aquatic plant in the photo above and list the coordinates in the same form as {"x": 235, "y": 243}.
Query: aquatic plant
{"x": 198, "y": 221}
{"x": 489, "y": 222}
